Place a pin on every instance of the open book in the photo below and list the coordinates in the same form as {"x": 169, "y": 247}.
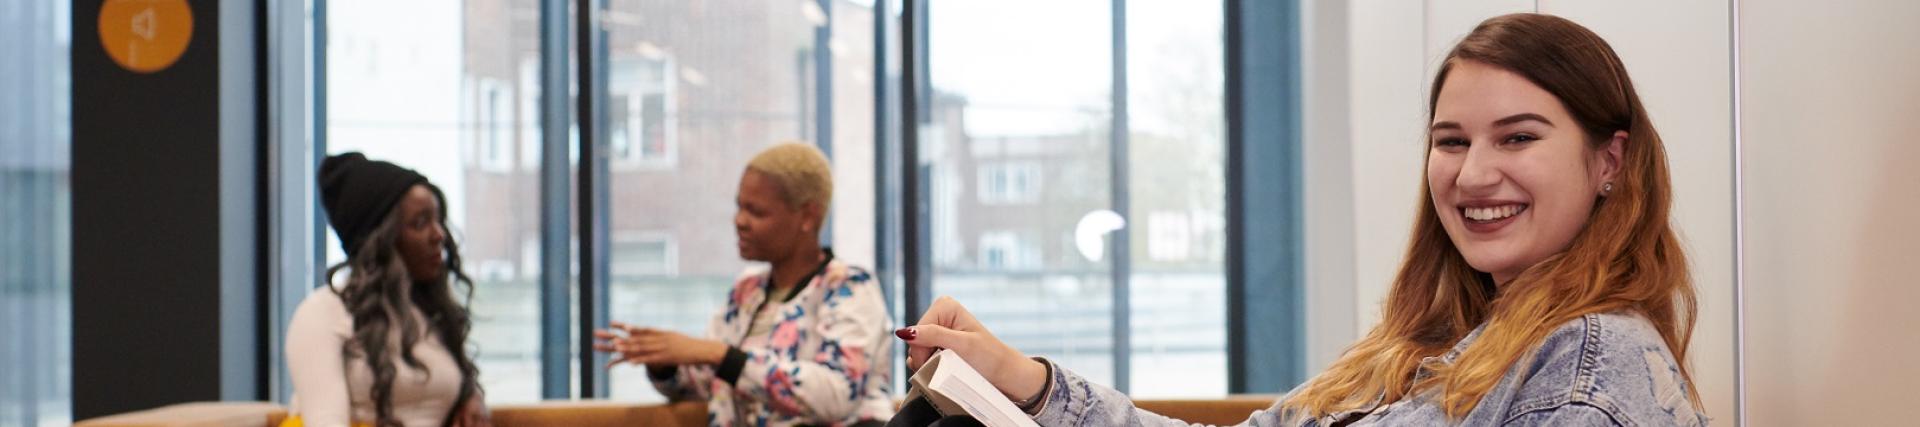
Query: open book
{"x": 954, "y": 388}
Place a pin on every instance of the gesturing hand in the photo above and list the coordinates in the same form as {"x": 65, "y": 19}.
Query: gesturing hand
{"x": 655, "y": 347}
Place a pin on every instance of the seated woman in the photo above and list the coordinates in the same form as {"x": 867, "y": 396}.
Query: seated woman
{"x": 804, "y": 343}
{"x": 1543, "y": 286}
{"x": 387, "y": 347}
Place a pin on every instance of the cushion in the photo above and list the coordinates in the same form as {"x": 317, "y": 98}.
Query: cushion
{"x": 197, "y": 414}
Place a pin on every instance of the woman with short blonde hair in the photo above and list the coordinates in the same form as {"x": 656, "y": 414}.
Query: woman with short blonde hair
{"x": 801, "y": 343}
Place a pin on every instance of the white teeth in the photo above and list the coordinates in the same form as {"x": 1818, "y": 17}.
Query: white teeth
{"x": 1492, "y": 213}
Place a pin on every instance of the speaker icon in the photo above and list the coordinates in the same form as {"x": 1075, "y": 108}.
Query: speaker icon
{"x": 143, "y": 24}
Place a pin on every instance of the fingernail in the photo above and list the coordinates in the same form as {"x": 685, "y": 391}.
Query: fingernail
{"x": 906, "y": 333}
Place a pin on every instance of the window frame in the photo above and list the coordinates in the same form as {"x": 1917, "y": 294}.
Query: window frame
{"x": 903, "y": 253}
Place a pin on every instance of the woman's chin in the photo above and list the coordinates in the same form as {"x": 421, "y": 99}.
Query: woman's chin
{"x": 431, "y": 275}
{"x": 1491, "y": 263}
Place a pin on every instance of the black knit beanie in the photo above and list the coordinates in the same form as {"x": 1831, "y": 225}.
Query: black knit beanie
{"x": 358, "y": 193}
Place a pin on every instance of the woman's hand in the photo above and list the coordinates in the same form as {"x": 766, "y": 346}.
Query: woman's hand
{"x": 655, "y": 347}
{"x": 948, "y": 325}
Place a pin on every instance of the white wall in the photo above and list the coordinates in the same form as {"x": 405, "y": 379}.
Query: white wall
{"x": 1678, "y": 56}
{"x": 1387, "y": 113}
{"x": 1324, "y": 56}
{"x": 1829, "y": 97}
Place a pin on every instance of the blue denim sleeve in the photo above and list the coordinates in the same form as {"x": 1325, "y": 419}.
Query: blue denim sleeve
{"x": 1076, "y": 402}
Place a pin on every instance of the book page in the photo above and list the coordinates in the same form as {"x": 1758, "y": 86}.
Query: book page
{"x": 956, "y": 382}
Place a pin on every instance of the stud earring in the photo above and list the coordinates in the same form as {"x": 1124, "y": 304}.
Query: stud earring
{"x": 1606, "y": 189}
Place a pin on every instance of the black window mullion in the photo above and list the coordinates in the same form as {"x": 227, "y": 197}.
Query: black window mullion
{"x": 917, "y": 286}
{"x": 594, "y": 182}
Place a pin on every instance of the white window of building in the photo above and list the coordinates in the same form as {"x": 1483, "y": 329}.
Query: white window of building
{"x": 1006, "y": 250}
{"x": 640, "y": 115}
{"x": 493, "y": 130}
{"x": 1169, "y": 236}
{"x": 493, "y": 270}
{"x": 530, "y": 114}
{"x": 530, "y": 258}
{"x": 1008, "y": 182}
{"x": 649, "y": 253}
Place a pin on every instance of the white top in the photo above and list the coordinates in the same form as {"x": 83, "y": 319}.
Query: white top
{"x": 333, "y": 386}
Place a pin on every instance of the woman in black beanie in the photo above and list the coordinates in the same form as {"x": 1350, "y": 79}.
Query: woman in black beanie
{"x": 388, "y": 346}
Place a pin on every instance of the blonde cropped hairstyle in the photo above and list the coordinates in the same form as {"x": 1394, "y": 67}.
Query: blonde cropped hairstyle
{"x": 800, "y": 169}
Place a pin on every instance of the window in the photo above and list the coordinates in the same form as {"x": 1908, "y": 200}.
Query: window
{"x": 1168, "y": 236}
{"x": 1178, "y": 185}
{"x": 529, "y": 122}
{"x": 697, "y": 89}
{"x": 36, "y": 321}
{"x": 1020, "y": 152}
{"x": 1005, "y": 250}
{"x": 1023, "y": 110}
{"x": 492, "y": 134}
{"x": 641, "y": 254}
{"x": 1016, "y": 97}
{"x": 638, "y": 131}
{"x": 395, "y": 92}
{"x": 1009, "y": 182}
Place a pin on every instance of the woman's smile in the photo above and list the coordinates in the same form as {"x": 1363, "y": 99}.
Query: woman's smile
{"x": 1489, "y": 216}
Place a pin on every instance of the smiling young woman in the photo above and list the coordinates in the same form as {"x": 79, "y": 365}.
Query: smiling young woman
{"x": 1543, "y": 284}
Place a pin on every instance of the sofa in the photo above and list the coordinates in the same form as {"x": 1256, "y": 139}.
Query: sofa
{"x": 594, "y": 413}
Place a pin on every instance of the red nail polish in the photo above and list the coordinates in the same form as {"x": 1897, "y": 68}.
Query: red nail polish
{"x": 906, "y": 333}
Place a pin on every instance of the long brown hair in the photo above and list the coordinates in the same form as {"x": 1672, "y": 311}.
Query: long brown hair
{"x": 1627, "y": 258}
{"x": 378, "y": 293}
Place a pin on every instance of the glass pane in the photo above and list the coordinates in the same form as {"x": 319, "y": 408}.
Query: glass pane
{"x": 35, "y": 230}
{"x": 1017, "y": 155}
{"x": 451, "y": 89}
{"x": 697, "y": 88}
{"x": 1178, "y": 195}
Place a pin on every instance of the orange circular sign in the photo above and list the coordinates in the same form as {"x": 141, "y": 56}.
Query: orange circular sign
{"x": 145, "y": 36}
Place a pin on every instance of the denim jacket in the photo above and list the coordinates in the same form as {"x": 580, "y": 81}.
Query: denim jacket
{"x": 1598, "y": 370}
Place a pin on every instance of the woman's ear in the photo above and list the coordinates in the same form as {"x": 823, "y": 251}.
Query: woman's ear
{"x": 812, "y": 216}
{"x": 1608, "y": 158}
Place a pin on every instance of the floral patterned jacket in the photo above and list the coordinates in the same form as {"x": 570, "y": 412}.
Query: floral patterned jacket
{"x": 825, "y": 362}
